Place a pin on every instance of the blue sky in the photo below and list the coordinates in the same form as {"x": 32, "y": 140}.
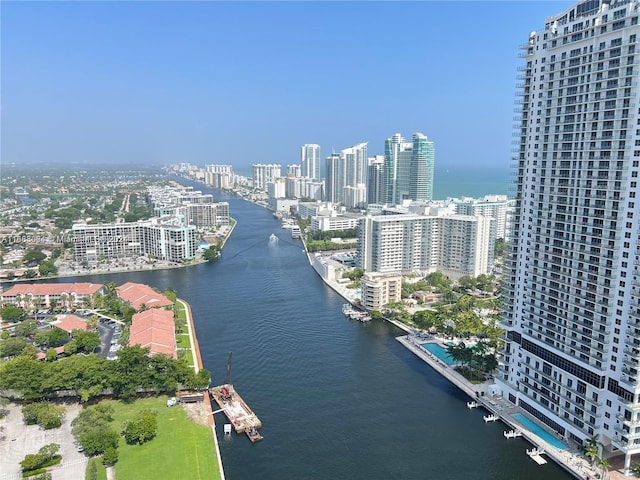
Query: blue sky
{"x": 243, "y": 82}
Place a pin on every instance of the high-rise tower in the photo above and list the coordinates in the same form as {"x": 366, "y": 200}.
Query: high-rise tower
{"x": 572, "y": 320}
{"x": 310, "y": 161}
{"x": 421, "y": 169}
{"x": 408, "y": 168}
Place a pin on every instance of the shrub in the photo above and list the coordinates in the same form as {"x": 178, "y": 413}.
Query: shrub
{"x": 142, "y": 429}
{"x": 110, "y": 457}
{"x": 46, "y": 415}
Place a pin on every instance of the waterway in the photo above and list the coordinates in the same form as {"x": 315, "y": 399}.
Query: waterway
{"x": 338, "y": 399}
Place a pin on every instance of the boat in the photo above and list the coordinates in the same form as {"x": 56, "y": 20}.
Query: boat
{"x": 490, "y": 418}
{"x": 295, "y": 231}
{"x": 353, "y": 314}
{"x": 234, "y": 407}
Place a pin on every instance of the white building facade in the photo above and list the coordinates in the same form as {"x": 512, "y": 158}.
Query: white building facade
{"x": 455, "y": 245}
{"x": 572, "y": 353}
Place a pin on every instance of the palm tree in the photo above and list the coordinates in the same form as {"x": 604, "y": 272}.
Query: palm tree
{"x": 604, "y": 465}
{"x": 591, "y": 452}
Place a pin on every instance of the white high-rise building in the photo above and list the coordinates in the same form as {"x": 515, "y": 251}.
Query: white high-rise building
{"x": 263, "y": 174}
{"x": 496, "y": 206}
{"x": 572, "y": 320}
{"x": 310, "y": 161}
{"x": 455, "y": 245}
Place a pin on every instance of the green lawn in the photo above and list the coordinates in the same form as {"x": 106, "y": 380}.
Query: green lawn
{"x": 181, "y": 449}
{"x": 182, "y": 341}
{"x": 188, "y": 357}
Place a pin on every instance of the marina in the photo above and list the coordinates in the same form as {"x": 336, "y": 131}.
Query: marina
{"x": 353, "y": 314}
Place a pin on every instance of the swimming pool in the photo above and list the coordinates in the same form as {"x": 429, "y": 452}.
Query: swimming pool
{"x": 539, "y": 431}
{"x": 439, "y": 352}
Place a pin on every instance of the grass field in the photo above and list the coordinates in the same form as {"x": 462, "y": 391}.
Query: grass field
{"x": 181, "y": 449}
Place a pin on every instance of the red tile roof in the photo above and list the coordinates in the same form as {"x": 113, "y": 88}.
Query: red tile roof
{"x": 52, "y": 289}
{"x": 138, "y": 294}
{"x": 68, "y": 323}
{"x": 43, "y": 355}
{"x": 154, "y": 329}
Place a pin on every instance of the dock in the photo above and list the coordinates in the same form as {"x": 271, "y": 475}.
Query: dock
{"x": 536, "y": 456}
{"x": 237, "y": 411}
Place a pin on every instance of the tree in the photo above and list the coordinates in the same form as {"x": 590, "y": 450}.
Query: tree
{"x": 30, "y": 273}
{"x": 48, "y": 267}
{"x": 46, "y": 415}
{"x": 212, "y": 253}
{"x": 54, "y": 337}
{"x": 44, "y": 457}
{"x": 33, "y": 255}
{"x": 110, "y": 457}
{"x": 11, "y": 313}
{"x": 142, "y": 429}
{"x": 604, "y": 465}
{"x": 92, "y": 429}
{"x": 12, "y": 346}
{"x": 25, "y": 375}
{"x": 83, "y": 342}
{"x": 26, "y": 328}
{"x": 591, "y": 452}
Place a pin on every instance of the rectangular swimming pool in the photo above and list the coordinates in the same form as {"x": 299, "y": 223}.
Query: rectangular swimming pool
{"x": 539, "y": 431}
{"x": 439, "y": 352}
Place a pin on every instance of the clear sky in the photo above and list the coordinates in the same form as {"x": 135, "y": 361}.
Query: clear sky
{"x": 250, "y": 82}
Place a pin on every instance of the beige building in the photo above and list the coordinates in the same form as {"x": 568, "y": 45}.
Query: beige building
{"x": 379, "y": 289}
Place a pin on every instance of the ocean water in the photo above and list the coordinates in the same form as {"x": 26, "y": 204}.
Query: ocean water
{"x": 470, "y": 181}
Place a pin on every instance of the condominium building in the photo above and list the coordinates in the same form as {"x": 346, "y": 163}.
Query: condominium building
{"x": 496, "y": 206}
{"x": 93, "y": 242}
{"x": 277, "y": 188}
{"x": 380, "y": 289}
{"x": 455, "y": 245}
{"x": 166, "y": 239}
{"x": 204, "y": 215}
{"x": 219, "y": 176}
{"x": 310, "y": 161}
{"x": 327, "y": 223}
{"x": 334, "y": 178}
{"x": 375, "y": 180}
{"x": 355, "y": 196}
{"x": 572, "y": 352}
{"x": 408, "y": 169}
{"x": 263, "y": 174}
{"x": 349, "y": 168}
{"x": 294, "y": 171}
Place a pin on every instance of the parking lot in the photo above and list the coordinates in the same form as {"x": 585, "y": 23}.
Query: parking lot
{"x": 18, "y": 439}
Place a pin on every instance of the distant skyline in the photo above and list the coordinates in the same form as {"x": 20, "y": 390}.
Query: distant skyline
{"x": 244, "y": 82}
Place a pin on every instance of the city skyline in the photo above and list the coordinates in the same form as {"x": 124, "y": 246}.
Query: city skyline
{"x": 203, "y": 82}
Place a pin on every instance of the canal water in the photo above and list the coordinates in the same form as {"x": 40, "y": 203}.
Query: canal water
{"x": 338, "y": 399}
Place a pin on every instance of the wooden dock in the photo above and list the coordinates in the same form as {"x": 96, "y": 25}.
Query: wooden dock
{"x": 237, "y": 411}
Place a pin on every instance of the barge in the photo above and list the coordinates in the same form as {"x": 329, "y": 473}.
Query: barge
{"x": 237, "y": 411}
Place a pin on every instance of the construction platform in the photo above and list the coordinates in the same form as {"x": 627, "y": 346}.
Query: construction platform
{"x": 237, "y": 411}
